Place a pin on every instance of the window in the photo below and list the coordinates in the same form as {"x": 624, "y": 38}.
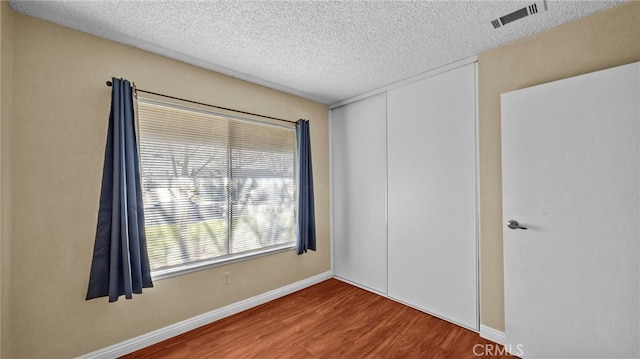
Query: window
{"x": 215, "y": 187}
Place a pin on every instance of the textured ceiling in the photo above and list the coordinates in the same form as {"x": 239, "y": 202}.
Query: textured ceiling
{"x": 322, "y": 50}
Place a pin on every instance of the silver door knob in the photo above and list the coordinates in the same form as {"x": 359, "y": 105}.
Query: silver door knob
{"x": 515, "y": 225}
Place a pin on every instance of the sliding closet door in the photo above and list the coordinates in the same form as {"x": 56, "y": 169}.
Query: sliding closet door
{"x": 432, "y": 199}
{"x": 358, "y": 136}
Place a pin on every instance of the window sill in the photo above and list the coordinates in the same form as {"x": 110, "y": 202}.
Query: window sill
{"x": 195, "y": 267}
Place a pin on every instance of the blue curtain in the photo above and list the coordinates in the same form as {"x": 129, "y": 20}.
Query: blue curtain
{"x": 120, "y": 263}
{"x": 306, "y": 224}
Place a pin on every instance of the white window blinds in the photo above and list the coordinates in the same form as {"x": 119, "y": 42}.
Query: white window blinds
{"x": 214, "y": 187}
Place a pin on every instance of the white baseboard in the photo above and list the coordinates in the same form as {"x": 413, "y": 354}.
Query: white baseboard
{"x": 145, "y": 340}
{"x": 494, "y": 335}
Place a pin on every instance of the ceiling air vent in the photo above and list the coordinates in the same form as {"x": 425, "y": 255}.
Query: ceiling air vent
{"x": 519, "y": 14}
{"x": 533, "y": 9}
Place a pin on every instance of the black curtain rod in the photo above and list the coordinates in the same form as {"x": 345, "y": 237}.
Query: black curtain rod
{"x": 109, "y": 83}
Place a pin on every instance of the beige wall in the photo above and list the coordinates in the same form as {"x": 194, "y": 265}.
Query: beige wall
{"x": 604, "y": 40}
{"x": 60, "y": 115}
{"x": 6, "y": 50}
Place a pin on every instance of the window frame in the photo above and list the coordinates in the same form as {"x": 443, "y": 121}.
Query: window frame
{"x": 198, "y": 265}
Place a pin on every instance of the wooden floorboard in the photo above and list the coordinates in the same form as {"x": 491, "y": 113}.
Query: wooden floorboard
{"x": 331, "y": 319}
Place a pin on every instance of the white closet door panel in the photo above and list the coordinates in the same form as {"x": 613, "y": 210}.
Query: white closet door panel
{"x": 432, "y": 199}
{"x": 359, "y": 192}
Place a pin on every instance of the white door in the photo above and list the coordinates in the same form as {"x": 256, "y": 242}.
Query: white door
{"x": 571, "y": 176}
{"x": 432, "y": 199}
{"x": 359, "y": 171}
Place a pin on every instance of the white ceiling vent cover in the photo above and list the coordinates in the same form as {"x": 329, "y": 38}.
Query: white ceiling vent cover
{"x": 532, "y": 9}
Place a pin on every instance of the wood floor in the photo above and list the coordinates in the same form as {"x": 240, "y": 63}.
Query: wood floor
{"x": 329, "y": 320}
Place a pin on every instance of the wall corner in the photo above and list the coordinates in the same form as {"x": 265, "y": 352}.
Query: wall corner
{"x": 6, "y": 82}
